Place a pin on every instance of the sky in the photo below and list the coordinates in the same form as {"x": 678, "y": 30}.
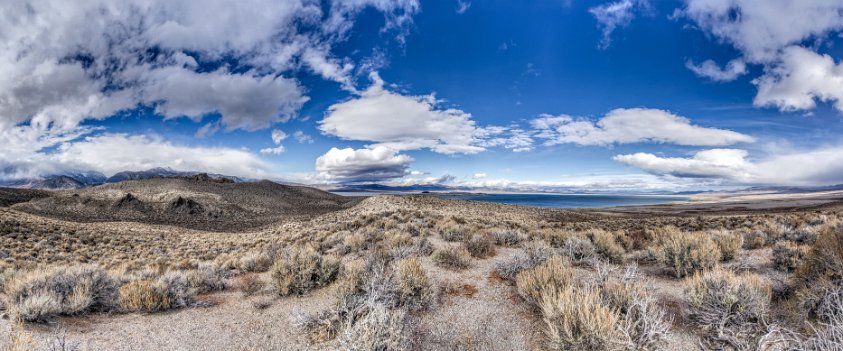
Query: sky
{"x": 626, "y": 95}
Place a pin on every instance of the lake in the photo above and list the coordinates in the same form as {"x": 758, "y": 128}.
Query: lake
{"x": 570, "y": 200}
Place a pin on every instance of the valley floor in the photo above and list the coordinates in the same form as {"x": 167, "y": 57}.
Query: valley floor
{"x": 464, "y": 251}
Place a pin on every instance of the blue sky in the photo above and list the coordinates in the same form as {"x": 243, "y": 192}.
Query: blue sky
{"x": 533, "y": 95}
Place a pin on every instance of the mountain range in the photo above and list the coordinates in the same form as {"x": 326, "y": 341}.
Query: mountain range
{"x": 81, "y": 180}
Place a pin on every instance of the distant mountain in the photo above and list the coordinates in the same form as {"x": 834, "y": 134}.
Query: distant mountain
{"x": 79, "y": 180}
{"x": 161, "y": 172}
{"x": 59, "y": 181}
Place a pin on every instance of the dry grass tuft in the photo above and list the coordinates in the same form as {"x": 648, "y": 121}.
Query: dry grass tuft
{"x": 301, "y": 269}
{"x": 20, "y": 339}
{"x": 143, "y": 296}
{"x": 607, "y": 244}
{"x": 730, "y": 244}
{"x": 576, "y": 320}
{"x": 553, "y": 274}
{"x": 452, "y": 258}
{"x": 415, "y": 287}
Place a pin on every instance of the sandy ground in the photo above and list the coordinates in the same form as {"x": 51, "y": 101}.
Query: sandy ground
{"x": 731, "y": 202}
{"x": 485, "y": 314}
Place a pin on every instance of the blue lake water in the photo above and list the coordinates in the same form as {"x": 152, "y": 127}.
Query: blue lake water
{"x": 570, "y": 200}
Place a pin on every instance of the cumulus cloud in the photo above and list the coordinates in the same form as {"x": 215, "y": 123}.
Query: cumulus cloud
{"x": 479, "y": 175}
{"x": 822, "y": 166}
{"x": 709, "y": 69}
{"x": 635, "y": 125}
{"x": 112, "y": 153}
{"x": 278, "y": 136}
{"x": 402, "y": 122}
{"x": 799, "y": 78}
{"x": 302, "y": 138}
{"x": 760, "y": 29}
{"x": 183, "y": 58}
{"x": 362, "y": 165}
{"x": 613, "y": 15}
{"x": 775, "y": 34}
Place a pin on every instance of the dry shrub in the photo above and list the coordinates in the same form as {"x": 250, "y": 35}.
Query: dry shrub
{"x": 416, "y": 290}
{"x": 575, "y": 319}
{"x": 255, "y": 262}
{"x": 578, "y": 249}
{"x": 143, "y": 296}
{"x": 508, "y": 237}
{"x": 686, "y": 253}
{"x": 553, "y": 274}
{"x": 825, "y": 259}
{"x": 555, "y": 238}
{"x": 372, "y": 302}
{"x": 730, "y": 308}
{"x": 535, "y": 253}
{"x": 452, "y": 230}
{"x": 301, "y": 269}
{"x": 754, "y": 239}
{"x": 380, "y": 328}
{"x": 40, "y": 294}
{"x": 355, "y": 242}
{"x": 644, "y": 324}
{"x": 452, "y": 258}
{"x": 250, "y": 284}
{"x": 730, "y": 244}
{"x": 607, "y": 244}
{"x": 787, "y": 256}
{"x": 480, "y": 246}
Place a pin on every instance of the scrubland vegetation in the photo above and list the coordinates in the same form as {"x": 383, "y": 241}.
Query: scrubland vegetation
{"x": 583, "y": 280}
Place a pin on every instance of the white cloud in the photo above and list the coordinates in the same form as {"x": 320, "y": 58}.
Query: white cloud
{"x": 280, "y": 149}
{"x": 799, "y": 78}
{"x": 62, "y": 63}
{"x": 402, "y": 122}
{"x": 775, "y": 34}
{"x": 823, "y": 166}
{"x": 479, "y": 175}
{"x": 462, "y": 6}
{"x": 362, "y": 165}
{"x": 635, "y": 125}
{"x": 244, "y": 101}
{"x": 112, "y": 153}
{"x": 760, "y": 29}
{"x": 613, "y": 15}
{"x": 278, "y": 136}
{"x": 709, "y": 69}
{"x": 721, "y": 163}
{"x": 302, "y": 138}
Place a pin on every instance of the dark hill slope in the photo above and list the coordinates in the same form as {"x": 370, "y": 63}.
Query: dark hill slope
{"x": 196, "y": 203}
